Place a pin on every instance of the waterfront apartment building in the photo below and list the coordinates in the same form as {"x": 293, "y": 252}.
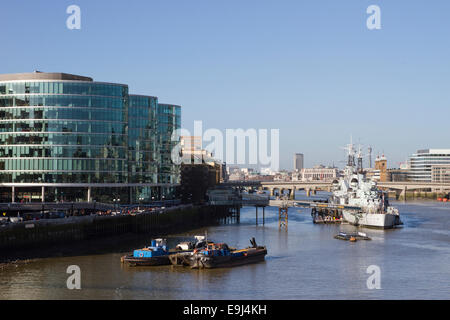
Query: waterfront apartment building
{"x": 422, "y": 162}
{"x": 298, "y": 162}
{"x": 66, "y": 137}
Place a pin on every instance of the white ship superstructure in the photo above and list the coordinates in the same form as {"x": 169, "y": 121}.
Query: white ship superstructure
{"x": 354, "y": 190}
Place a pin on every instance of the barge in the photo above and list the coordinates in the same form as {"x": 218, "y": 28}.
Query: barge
{"x": 158, "y": 253}
{"x": 216, "y": 255}
{"x": 322, "y": 216}
{"x": 186, "y": 249}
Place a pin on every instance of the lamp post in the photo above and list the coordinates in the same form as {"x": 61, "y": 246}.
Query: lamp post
{"x": 140, "y": 200}
{"x": 116, "y": 203}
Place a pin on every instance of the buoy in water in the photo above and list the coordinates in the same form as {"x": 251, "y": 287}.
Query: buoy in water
{"x": 352, "y": 239}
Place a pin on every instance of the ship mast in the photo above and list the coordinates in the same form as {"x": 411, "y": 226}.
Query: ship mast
{"x": 350, "y": 168}
{"x": 360, "y": 160}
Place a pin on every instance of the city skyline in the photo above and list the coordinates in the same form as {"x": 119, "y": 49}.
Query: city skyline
{"x": 315, "y": 71}
{"x": 220, "y": 157}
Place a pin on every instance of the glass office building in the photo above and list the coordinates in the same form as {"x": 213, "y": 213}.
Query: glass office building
{"x": 422, "y": 163}
{"x": 169, "y": 119}
{"x": 66, "y": 137}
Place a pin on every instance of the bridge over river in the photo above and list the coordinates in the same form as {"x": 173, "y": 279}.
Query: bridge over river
{"x": 290, "y": 187}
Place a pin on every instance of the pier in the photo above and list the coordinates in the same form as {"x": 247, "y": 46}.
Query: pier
{"x": 322, "y": 212}
{"x": 233, "y": 198}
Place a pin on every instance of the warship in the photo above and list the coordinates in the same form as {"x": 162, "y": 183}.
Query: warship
{"x": 353, "y": 189}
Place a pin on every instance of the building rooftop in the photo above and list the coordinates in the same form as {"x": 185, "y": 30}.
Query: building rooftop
{"x": 38, "y": 75}
{"x": 434, "y": 151}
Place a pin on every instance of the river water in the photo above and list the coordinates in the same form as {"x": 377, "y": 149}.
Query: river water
{"x": 304, "y": 262}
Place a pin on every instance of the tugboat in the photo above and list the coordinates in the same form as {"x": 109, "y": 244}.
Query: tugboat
{"x": 216, "y": 255}
{"x": 154, "y": 255}
{"x": 355, "y": 190}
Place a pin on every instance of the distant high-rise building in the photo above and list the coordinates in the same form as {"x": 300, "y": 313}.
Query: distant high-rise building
{"x": 298, "y": 161}
{"x": 370, "y": 156}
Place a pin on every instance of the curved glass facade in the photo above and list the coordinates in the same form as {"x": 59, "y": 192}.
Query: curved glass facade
{"x": 74, "y": 131}
{"x": 63, "y": 132}
{"x": 169, "y": 119}
{"x": 143, "y": 162}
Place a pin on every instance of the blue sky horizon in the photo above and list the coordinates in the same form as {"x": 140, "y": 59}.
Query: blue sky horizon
{"x": 311, "y": 69}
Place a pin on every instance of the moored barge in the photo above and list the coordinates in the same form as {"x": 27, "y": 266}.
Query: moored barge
{"x": 186, "y": 249}
{"x": 216, "y": 255}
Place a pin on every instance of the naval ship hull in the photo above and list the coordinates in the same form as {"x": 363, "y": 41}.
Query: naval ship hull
{"x": 371, "y": 220}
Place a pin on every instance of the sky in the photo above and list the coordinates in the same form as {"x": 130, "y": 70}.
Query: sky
{"x": 311, "y": 69}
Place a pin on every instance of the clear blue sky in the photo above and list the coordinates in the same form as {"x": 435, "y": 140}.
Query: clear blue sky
{"x": 309, "y": 68}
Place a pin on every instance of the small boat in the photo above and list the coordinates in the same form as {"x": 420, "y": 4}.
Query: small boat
{"x": 352, "y": 237}
{"x": 155, "y": 255}
{"x": 216, "y": 255}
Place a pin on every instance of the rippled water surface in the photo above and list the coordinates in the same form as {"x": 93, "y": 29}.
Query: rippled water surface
{"x": 304, "y": 262}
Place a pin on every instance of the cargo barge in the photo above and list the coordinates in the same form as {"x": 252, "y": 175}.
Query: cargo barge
{"x": 158, "y": 253}
{"x": 216, "y": 255}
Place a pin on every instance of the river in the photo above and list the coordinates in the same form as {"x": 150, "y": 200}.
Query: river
{"x": 303, "y": 262}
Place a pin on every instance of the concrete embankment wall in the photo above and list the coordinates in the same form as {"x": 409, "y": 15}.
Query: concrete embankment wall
{"x": 38, "y": 234}
{"x": 418, "y": 195}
